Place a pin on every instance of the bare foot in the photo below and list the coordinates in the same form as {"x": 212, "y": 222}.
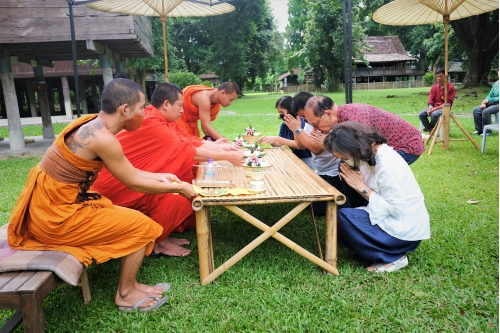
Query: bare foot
{"x": 131, "y": 298}
{"x": 176, "y": 241}
{"x": 151, "y": 290}
{"x": 171, "y": 249}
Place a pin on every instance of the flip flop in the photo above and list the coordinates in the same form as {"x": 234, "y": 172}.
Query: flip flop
{"x": 396, "y": 265}
{"x": 159, "y": 302}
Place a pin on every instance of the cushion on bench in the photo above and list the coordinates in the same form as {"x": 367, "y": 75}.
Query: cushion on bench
{"x": 62, "y": 264}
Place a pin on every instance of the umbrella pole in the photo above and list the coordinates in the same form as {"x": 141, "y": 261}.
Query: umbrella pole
{"x": 446, "y": 105}
{"x": 163, "y": 19}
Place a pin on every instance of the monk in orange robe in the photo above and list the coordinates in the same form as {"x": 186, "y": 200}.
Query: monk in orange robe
{"x": 203, "y": 103}
{"x": 161, "y": 146}
{"x": 56, "y": 210}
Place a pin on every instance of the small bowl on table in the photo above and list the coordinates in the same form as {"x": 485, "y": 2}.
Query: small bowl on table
{"x": 257, "y": 172}
{"x": 251, "y": 139}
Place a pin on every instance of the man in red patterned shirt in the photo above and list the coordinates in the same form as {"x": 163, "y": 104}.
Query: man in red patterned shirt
{"x": 436, "y": 101}
{"x": 323, "y": 114}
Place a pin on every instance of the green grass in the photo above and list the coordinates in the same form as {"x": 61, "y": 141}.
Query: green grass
{"x": 451, "y": 284}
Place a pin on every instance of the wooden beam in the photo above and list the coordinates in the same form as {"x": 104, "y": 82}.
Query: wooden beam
{"x": 40, "y": 61}
{"x": 98, "y": 48}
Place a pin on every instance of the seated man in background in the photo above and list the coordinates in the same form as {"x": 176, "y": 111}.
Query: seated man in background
{"x": 55, "y": 210}
{"x": 436, "y": 101}
{"x": 482, "y": 113}
{"x": 203, "y": 103}
{"x": 161, "y": 146}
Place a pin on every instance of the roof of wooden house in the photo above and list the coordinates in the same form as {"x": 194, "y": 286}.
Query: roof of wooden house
{"x": 296, "y": 71}
{"x": 385, "y": 49}
{"x": 40, "y": 30}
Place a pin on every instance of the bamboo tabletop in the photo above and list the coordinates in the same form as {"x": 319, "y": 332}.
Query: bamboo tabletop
{"x": 288, "y": 180}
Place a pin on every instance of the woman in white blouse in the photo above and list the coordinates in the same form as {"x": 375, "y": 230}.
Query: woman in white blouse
{"x": 388, "y": 218}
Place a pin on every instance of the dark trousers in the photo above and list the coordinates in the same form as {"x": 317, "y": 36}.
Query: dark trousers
{"x": 320, "y": 206}
{"x": 482, "y": 117}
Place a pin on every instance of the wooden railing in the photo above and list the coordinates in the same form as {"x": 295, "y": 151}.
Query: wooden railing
{"x": 386, "y": 71}
{"x": 358, "y": 86}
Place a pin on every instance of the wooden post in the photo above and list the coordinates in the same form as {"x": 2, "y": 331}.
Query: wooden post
{"x": 331, "y": 233}
{"x": 107, "y": 72}
{"x": 50, "y": 96}
{"x": 163, "y": 19}
{"x": 62, "y": 109}
{"x": 205, "y": 250}
{"x": 95, "y": 97}
{"x": 83, "y": 96}
{"x": 43, "y": 100}
{"x": 16, "y": 136}
{"x": 446, "y": 106}
{"x": 31, "y": 98}
{"x": 67, "y": 98}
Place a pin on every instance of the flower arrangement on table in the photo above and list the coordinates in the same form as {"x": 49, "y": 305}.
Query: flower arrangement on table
{"x": 239, "y": 141}
{"x": 251, "y": 135}
{"x": 251, "y": 131}
{"x": 253, "y": 157}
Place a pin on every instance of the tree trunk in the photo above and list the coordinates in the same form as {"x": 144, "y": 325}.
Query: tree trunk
{"x": 423, "y": 55}
{"x": 478, "y": 36}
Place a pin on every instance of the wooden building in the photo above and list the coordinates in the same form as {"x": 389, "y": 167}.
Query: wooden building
{"x": 388, "y": 62}
{"x": 36, "y": 53}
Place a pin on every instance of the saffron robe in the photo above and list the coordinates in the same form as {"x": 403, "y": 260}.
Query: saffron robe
{"x": 191, "y": 115}
{"x": 49, "y": 216}
{"x": 157, "y": 146}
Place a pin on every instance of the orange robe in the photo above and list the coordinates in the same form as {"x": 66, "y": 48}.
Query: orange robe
{"x": 191, "y": 115}
{"x": 48, "y": 215}
{"x": 157, "y": 146}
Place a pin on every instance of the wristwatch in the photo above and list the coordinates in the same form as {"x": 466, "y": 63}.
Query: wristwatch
{"x": 365, "y": 191}
{"x": 298, "y": 130}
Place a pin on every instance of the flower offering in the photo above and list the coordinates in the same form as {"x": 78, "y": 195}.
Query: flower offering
{"x": 250, "y": 130}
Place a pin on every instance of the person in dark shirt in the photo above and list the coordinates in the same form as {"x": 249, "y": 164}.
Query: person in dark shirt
{"x": 285, "y": 136}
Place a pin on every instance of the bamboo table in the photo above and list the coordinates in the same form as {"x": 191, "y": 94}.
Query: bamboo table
{"x": 289, "y": 180}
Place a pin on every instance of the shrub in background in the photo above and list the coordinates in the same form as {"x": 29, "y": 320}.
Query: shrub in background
{"x": 208, "y": 83}
{"x": 429, "y": 78}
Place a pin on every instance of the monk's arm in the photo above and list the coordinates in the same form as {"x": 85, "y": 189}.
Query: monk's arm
{"x": 111, "y": 153}
{"x": 235, "y": 157}
{"x": 157, "y": 176}
{"x": 206, "y": 123}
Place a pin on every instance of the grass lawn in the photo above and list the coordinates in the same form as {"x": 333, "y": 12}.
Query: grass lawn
{"x": 451, "y": 284}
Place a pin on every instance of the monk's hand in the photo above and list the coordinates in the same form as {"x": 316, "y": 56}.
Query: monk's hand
{"x": 269, "y": 139}
{"x": 236, "y": 158}
{"x": 227, "y": 147}
{"x": 169, "y": 178}
{"x": 186, "y": 190}
{"x": 292, "y": 123}
{"x": 318, "y": 137}
{"x": 353, "y": 178}
{"x": 222, "y": 140}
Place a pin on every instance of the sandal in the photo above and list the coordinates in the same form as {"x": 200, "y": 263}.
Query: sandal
{"x": 396, "y": 265}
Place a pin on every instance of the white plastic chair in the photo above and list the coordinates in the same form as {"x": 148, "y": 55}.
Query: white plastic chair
{"x": 492, "y": 127}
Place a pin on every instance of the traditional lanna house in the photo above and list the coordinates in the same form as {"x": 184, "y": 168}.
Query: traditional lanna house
{"x": 289, "y": 80}
{"x": 36, "y": 72}
{"x": 387, "y": 62}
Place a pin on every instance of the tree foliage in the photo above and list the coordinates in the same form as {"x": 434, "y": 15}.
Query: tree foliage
{"x": 315, "y": 39}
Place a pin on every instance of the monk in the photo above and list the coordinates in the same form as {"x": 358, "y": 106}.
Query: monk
{"x": 203, "y": 103}
{"x": 56, "y": 210}
{"x": 161, "y": 146}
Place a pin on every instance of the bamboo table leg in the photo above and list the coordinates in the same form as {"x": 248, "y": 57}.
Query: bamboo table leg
{"x": 331, "y": 233}
{"x": 205, "y": 249}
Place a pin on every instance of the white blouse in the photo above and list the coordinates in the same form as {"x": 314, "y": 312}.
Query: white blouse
{"x": 396, "y": 204}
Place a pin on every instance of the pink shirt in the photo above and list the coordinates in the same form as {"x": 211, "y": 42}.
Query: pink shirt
{"x": 400, "y": 134}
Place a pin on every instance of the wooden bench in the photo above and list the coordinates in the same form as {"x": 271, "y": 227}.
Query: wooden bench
{"x": 26, "y": 291}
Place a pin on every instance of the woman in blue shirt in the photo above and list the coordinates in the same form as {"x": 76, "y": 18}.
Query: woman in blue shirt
{"x": 285, "y": 137}
{"x": 482, "y": 114}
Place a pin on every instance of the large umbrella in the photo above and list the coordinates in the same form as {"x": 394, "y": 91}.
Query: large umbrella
{"x": 412, "y": 12}
{"x": 164, "y": 8}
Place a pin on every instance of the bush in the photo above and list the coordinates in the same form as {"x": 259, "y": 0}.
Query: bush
{"x": 208, "y": 83}
{"x": 429, "y": 78}
{"x": 184, "y": 79}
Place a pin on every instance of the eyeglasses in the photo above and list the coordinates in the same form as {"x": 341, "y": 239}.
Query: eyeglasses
{"x": 140, "y": 114}
{"x": 315, "y": 125}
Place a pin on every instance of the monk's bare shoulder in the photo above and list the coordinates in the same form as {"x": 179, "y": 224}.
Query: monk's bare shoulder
{"x": 83, "y": 136}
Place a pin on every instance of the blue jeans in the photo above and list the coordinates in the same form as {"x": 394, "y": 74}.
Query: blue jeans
{"x": 434, "y": 118}
{"x": 409, "y": 158}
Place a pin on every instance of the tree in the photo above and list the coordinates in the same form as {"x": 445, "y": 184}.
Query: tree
{"x": 294, "y": 33}
{"x": 478, "y": 36}
{"x": 323, "y": 39}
